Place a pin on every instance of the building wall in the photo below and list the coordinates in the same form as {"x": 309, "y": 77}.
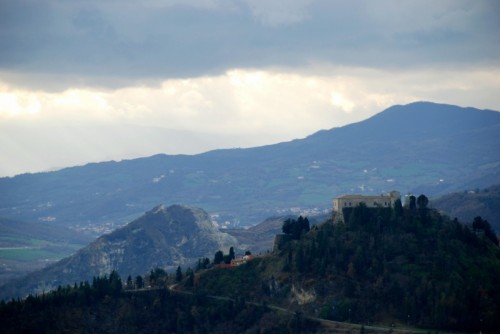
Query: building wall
{"x": 349, "y": 201}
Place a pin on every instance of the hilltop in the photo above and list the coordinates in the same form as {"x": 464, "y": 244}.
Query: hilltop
{"x": 421, "y": 148}
{"x": 409, "y": 267}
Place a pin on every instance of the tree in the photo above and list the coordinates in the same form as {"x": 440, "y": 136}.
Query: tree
{"x": 351, "y": 270}
{"x": 139, "y": 282}
{"x": 227, "y": 259}
{"x": 231, "y": 253}
{"x": 295, "y": 228}
{"x": 157, "y": 277}
{"x": 303, "y": 224}
{"x": 178, "y": 274}
{"x": 219, "y": 257}
{"x": 287, "y": 226}
{"x": 422, "y": 202}
{"x": 115, "y": 283}
{"x": 202, "y": 264}
{"x": 480, "y": 224}
{"x": 300, "y": 260}
{"x": 413, "y": 205}
{"x": 129, "y": 285}
{"x": 398, "y": 207}
{"x": 190, "y": 278}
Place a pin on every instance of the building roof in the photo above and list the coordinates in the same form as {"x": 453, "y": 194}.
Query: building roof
{"x": 362, "y": 196}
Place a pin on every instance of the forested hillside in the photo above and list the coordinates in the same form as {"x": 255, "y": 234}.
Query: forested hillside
{"x": 104, "y": 307}
{"x": 409, "y": 266}
{"x": 402, "y": 267}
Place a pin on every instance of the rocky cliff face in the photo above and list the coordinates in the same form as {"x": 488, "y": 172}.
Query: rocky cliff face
{"x": 165, "y": 237}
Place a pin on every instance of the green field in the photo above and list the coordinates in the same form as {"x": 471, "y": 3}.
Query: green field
{"x": 35, "y": 250}
{"x": 19, "y": 241}
{"x": 30, "y": 254}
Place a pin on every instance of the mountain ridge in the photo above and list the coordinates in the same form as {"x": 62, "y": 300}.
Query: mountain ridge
{"x": 444, "y": 149}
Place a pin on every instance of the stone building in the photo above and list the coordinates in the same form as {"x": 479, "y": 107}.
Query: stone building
{"x": 350, "y": 201}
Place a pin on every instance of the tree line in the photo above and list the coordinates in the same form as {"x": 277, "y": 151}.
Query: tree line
{"x": 104, "y": 307}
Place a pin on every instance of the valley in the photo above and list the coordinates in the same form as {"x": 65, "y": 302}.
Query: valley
{"x": 27, "y": 247}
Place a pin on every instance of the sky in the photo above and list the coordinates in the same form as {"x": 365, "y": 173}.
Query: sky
{"x": 93, "y": 80}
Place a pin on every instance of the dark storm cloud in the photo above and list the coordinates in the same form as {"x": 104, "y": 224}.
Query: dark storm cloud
{"x": 126, "y": 41}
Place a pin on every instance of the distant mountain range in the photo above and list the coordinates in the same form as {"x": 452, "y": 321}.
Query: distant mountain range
{"x": 418, "y": 148}
{"x": 164, "y": 237}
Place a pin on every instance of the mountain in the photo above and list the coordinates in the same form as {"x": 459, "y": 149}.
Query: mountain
{"x": 419, "y": 148}
{"x": 467, "y": 205}
{"x": 164, "y": 237}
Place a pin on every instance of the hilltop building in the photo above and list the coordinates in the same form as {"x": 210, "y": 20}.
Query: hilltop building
{"x": 350, "y": 201}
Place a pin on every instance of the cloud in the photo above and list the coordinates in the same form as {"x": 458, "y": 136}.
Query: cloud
{"x": 286, "y": 104}
{"x": 279, "y": 12}
{"x": 121, "y": 43}
{"x": 254, "y": 71}
{"x": 40, "y": 130}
